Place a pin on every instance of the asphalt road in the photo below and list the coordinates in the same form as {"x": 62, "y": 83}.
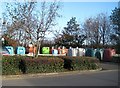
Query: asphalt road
{"x": 109, "y": 66}
{"x": 107, "y": 77}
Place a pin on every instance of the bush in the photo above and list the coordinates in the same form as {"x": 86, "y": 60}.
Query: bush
{"x": 80, "y": 63}
{"x": 10, "y": 65}
{"x": 41, "y": 65}
{"x": 116, "y": 59}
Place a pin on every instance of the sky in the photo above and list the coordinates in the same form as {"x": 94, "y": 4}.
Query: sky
{"x": 84, "y": 10}
{"x": 80, "y": 10}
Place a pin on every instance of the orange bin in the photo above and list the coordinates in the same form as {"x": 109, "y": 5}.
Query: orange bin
{"x": 32, "y": 49}
{"x": 64, "y": 51}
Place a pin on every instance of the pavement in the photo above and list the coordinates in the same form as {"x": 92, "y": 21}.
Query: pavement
{"x": 25, "y": 76}
{"x": 92, "y": 78}
{"x": 109, "y": 66}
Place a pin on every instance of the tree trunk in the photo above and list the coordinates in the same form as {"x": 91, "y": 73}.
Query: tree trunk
{"x": 103, "y": 35}
{"x": 38, "y": 48}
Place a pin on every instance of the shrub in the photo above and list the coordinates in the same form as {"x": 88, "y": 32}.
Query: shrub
{"x": 116, "y": 59}
{"x": 41, "y": 65}
{"x": 80, "y": 63}
{"x": 10, "y": 65}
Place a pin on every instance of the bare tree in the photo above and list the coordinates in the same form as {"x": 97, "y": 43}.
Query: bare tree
{"x": 31, "y": 23}
{"x": 98, "y": 30}
{"x": 91, "y": 31}
{"x": 47, "y": 20}
{"x": 20, "y": 20}
{"x": 105, "y": 28}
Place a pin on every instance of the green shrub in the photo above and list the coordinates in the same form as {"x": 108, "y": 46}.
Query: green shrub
{"x": 10, "y": 65}
{"x": 41, "y": 65}
{"x": 80, "y": 63}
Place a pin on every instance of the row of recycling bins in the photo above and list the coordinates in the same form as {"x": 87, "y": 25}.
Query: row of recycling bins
{"x": 45, "y": 50}
{"x": 19, "y": 50}
{"x": 101, "y": 54}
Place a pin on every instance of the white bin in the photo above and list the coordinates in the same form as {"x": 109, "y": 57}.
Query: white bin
{"x": 72, "y": 52}
{"x": 81, "y": 52}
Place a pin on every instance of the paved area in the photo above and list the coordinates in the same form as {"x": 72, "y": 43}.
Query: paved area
{"x": 103, "y": 78}
{"x": 109, "y": 65}
{"x": 107, "y": 77}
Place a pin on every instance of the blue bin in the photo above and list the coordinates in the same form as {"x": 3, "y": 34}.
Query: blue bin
{"x": 90, "y": 52}
{"x": 55, "y": 52}
{"x": 21, "y": 50}
{"x": 10, "y": 49}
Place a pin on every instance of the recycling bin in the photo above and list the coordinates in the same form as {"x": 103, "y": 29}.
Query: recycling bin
{"x": 55, "y": 52}
{"x": 31, "y": 48}
{"x": 45, "y": 50}
{"x": 20, "y": 50}
{"x": 89, "y": 52}
{"x": 80, "y": 52}
{"x": 72, "y": 52}
{"x": 59, "y": 50}
{"x": 101, "y": 51}
{"x": 51, "y": 50}
{"x": 98, "y": 54}
{"x": 107, "y": 55}
{"x": 10, "y": 49}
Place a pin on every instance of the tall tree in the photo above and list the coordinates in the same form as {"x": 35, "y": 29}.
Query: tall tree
{"x": 97, "y": 30}
{"x": 72, "y": 34}
{"x": 91, "y": 31}
{"x": 105, "y": 28}
{"x": 115, "y": 18}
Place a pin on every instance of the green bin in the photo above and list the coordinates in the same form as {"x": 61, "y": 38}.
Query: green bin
{"x": 45, "y": 50}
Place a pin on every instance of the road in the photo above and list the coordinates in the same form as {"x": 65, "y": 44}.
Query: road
{"x": 107, "y": 77}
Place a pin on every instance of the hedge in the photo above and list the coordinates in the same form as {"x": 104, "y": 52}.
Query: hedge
{"x": 116, "y": 59}
{"x": 12, "y": 65}
{"x": 80, "y": 63}
{"x": 41, "y": 65}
